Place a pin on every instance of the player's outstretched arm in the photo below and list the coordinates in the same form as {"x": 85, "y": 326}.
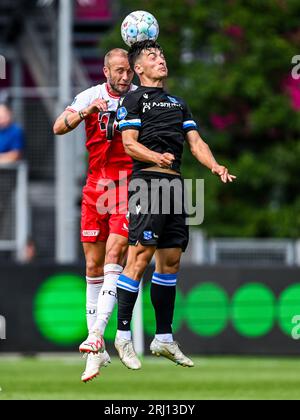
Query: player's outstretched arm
{"x": 139, "y": 152}
{"x": 69, "y": 120}
{"x": 66, "y": 122}
{"x": 204, "y": 155}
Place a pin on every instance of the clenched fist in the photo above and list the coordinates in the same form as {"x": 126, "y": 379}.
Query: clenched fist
{"x": 97, "y": 106}
{"x": 165, "y": 160}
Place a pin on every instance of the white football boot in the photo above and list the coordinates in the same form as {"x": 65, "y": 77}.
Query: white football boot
{"x": 93, "y": 344}
{"x": 170, "y": 351}
{"x": 93, "y": 364}
{"x": 127, "y": 354}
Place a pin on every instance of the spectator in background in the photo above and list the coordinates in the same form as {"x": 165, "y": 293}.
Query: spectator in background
{"x": 11, "y": 137}
{"x": 30, "y": 252}
{"x": 11, "y": 150}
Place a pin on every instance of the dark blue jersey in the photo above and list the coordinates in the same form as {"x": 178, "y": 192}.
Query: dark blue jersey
{"x": 163, "y": 120}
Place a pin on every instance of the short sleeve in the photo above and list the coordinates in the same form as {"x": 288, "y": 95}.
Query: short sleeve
{"x": 81, "y": 101}
{"x": 18, "y": 140}
{"x": 189, "y": 123}
{"x": 128, "y": 114}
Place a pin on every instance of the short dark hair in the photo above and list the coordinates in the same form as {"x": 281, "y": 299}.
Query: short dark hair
{"x": 137, "y": 48}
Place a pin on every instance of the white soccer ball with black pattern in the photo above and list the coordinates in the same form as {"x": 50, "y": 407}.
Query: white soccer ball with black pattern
{"x": 139, "y": 26}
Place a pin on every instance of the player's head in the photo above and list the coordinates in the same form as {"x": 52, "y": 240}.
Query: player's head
{"x": 147, "y": 59}
{"x": 117, "y": 71}
{"x": 5, "y": 115}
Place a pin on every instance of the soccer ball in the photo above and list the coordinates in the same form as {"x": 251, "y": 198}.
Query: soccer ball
{"x": 139, "y": 26}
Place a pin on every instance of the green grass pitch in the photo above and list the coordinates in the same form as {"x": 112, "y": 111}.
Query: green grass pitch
{"x": 212, "y": 378}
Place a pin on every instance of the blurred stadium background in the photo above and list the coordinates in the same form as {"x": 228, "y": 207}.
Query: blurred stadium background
{"x": 239, "y": 285}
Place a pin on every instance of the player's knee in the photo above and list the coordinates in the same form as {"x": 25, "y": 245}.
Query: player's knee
{"x": 175, "y": 268}
{"x": 94, "y": 268}
{"x": 115, "y": 254}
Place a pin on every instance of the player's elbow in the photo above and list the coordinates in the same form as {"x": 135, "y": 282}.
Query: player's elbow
{"x": 194, "y": 150}
{"x": 199, "y": 148}
{"x": 57, "y": 129}
{"x": 128, "y": 147}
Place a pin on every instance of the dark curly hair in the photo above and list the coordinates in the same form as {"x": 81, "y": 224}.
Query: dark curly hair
{"x": 138, "y": 47}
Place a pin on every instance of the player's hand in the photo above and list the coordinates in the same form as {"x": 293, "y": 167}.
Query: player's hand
{"x": 165, "y": 160}
{"x": 97, "y": 106}
{"x": 223, "y": 173}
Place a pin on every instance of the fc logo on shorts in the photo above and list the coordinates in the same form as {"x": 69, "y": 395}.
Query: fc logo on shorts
{"x": 90, "y": 233}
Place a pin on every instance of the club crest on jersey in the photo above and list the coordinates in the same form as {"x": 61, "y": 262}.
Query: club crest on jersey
{"x": 122, "y": 113}
{"x": 173, "y": 100}
{"x": 148, "y": 235}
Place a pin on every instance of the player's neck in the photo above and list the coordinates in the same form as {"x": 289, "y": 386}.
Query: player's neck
{"x": 111, "y": 91}
{"x": 158, "y": 83}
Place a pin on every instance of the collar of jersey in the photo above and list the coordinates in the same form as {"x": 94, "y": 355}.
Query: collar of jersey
{"x": 110, "y": 94}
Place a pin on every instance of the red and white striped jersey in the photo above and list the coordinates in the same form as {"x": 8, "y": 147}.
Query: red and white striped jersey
{"x": 107, "y": 156}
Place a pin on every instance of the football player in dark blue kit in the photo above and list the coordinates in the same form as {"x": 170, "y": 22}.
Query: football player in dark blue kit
{"x": 155, "y": 126}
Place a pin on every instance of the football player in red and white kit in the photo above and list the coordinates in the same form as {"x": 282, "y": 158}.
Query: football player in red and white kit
{"x": 104, "y": 229}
